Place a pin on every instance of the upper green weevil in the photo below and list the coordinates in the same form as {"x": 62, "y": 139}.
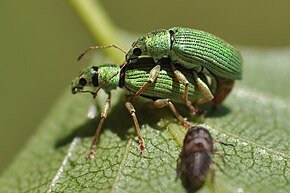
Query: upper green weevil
{"x": 196, "y": 50}
{"x": 163, "y": 89}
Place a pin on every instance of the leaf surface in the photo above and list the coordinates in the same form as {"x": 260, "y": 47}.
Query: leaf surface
{"x": 255, "y": 118}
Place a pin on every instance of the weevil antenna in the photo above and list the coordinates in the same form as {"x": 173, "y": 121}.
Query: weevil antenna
{"x": 100, "y": 47}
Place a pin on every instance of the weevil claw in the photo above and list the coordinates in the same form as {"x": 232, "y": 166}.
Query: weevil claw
{"x": 91, "y": 155}
{"x": 141, "y": 149}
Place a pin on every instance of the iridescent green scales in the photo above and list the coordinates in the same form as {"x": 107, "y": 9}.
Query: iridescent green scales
{"x": 199, "y": 51}
{"x": 165, "y": 86}
{"x": 193, "y": 48}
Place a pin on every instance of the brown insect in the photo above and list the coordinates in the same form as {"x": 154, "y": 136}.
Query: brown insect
{"x": 195, "y": 160}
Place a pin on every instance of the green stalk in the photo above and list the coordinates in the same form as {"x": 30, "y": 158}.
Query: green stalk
{"x": 100, "y": 25}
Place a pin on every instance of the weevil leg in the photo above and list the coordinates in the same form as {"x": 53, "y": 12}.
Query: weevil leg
{"x": 154, "y": 72}
{"x": 223, "y": 87}
{"x": 182, "y": 79}
{"x": 100, "y": 47}
{"x": 160, "y": 103}
{"x": 132, "y": 111}
{"x": 203, "y": 88}
{"x": 104, "y": 114}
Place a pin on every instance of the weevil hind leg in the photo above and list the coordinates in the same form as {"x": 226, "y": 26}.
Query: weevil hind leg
{"x": 153, "y": 74}
{"x": 203, "y": 88}
{"x": 104, "y": 114}
{"x": 160, "y": 103}
{"x": 183, "y": 80}
{"x": 132, "y": 111}
{"x": 223, "y": 88}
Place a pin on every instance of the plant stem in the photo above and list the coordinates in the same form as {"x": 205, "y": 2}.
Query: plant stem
{"x": 100, "y": 25}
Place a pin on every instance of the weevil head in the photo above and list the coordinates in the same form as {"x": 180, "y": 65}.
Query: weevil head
{"x": 93, "y": 78}
{"x": 155, "y": 44}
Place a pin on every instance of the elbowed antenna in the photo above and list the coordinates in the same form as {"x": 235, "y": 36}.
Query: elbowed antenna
{"x": 100, "y": 47}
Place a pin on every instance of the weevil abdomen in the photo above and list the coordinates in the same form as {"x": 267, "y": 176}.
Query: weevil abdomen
{"x": 165, "y": 86}
{"x": 192, "y": 48}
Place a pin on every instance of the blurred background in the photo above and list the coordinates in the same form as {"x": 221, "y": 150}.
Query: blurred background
{"x": 40, "y": 41}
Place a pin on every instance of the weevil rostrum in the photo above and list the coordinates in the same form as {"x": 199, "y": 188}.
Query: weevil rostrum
{"x": 196, "y": 50}
{"x": 164, "y": 89}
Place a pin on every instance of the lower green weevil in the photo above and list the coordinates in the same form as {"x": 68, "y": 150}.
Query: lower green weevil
{"x": 163, "y": 89}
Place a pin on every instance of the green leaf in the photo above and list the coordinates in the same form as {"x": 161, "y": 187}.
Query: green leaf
{"x": 255, "y": 118}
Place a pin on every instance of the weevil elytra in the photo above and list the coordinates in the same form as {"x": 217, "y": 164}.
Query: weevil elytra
{"x": 164, "y": 89}
{"x": 196, "y": 50}
{"x": 195, "y": 160}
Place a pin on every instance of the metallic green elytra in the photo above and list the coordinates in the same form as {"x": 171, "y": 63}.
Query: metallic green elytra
{"x": 163, "y": 89}
{"x": 192, "y": 49}
{"x": 165, "y": 86}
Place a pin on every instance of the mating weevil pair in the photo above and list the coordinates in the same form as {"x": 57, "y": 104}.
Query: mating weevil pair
{"x": 189, "y": 51}
{"x": 192, "y": 49}
{"x": 195, "y": 50}
{"x": 164, "y": 90}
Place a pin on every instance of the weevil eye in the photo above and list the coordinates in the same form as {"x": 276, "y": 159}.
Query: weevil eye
{"x": 82, "y": 81}
{"x": 137, "y": 52}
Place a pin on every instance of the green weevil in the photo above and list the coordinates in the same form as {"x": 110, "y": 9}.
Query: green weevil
{"x": 196, "y": 50}
{"x": 163, "y": 89}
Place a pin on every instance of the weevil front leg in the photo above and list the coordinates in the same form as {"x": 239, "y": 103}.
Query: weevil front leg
{"x": 160, "y": 103}
{"x": 154, "y": 72}
{"x": 132, "y": 111}
{"x": 104, "y": 114}
{"x": 183, "y": 80}
{"x": 203, "y": 88}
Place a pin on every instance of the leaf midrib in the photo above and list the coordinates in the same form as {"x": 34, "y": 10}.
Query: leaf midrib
{"x": 119, "y": 172}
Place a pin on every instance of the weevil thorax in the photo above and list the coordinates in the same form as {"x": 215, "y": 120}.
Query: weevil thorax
{"x": 94, "y": 78}
{"x": 155, "y": 44}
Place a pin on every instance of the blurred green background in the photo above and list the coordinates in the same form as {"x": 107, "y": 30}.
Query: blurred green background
{"x": 40, "y": 41}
